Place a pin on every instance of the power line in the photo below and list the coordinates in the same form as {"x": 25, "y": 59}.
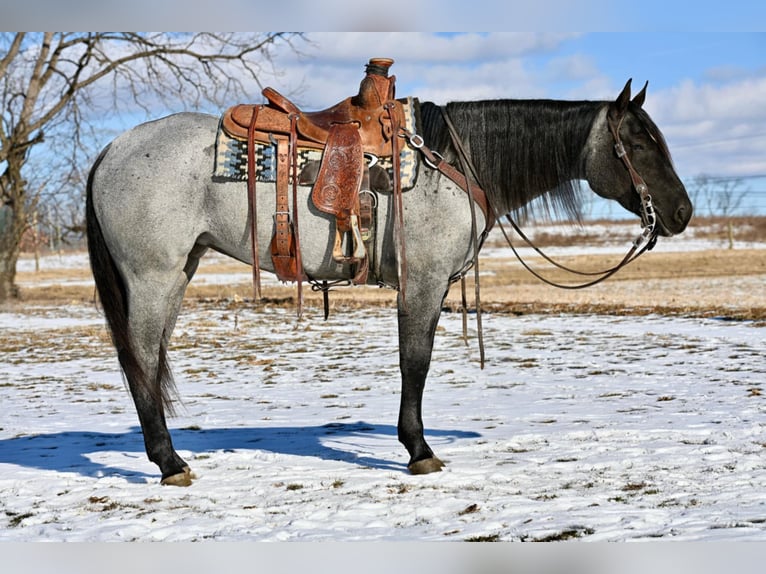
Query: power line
{"x": 708, "y": 177}
{"x": 704, "y": 143}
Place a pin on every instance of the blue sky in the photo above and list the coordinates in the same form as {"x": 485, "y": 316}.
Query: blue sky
{"x": 705, "y": 60}
{"x": 707, "y": 90}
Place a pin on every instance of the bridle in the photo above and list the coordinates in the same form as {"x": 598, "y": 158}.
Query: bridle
{"x": 648, "y": 217}
{"x": 647, "y": 238}
{"x": 469, "y": 181}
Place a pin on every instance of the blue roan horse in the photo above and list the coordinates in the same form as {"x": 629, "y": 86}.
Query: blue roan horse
{"x": 154, "y": 209}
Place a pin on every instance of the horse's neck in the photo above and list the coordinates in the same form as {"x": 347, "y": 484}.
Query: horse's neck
{"x": 541, "y": 153}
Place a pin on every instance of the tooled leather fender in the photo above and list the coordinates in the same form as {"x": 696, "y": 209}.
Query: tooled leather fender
{"x": 336, "y": 190}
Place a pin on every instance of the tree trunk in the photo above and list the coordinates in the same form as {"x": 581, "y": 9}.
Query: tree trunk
{"x": 13, "y": 224}
{"x": 731, "y": 235}
{"x": 8, "y": 258}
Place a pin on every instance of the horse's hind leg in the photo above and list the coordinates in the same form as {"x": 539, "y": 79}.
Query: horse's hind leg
{"x": 152, "y": 313}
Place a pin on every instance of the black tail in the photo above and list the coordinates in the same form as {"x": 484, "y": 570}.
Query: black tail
{"x": 112, "y": 293}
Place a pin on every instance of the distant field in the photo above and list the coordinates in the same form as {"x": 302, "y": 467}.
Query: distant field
{"x": 696, "y": 274}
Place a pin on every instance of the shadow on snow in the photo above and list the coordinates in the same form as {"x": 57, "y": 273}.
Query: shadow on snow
{"x": 70, "y": 451}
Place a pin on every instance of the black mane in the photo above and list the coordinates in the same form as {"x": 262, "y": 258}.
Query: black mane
{"x": 522, "y": 149}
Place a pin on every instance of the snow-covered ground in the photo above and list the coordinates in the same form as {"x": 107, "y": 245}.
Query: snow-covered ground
{"x": 580, "y": 427}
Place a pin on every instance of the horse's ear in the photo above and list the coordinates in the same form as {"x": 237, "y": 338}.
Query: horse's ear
{"x": 618, "y": 107}
{"x": 638, "y": 100}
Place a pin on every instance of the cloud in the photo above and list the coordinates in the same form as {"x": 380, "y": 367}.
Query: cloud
{"x": 726, "y": 73}
{"x": 429, "y": 48}
{"x": 437, "y": 67}
{"x": 571, "y": 67}
{"x": 714, "y": 128}
{"x": 714, "y": 123}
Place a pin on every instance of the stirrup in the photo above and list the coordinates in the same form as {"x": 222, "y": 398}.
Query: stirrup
{"x": 359, "y": 251}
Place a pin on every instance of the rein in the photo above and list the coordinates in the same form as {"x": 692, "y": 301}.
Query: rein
{"x": 648, "y": 224}
{"x": 476, "y": 195}
{"x": 470, "y": 184}
{"x": 648, "y": 216}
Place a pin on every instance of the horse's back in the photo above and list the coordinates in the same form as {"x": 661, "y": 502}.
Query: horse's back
{"x": 159, "y": 143}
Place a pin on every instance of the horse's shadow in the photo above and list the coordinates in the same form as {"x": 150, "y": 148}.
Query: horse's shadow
{"x": 70, "y": 451}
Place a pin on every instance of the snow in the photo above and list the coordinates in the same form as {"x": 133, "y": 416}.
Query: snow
{"x": 584, "y": 427}
{"x": 589, "y": 427}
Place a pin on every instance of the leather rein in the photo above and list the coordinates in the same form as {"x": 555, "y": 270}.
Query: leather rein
{"x": 647, "y": 238}
{"x": 468, "y": 180}
{"x": 648, "y": 225}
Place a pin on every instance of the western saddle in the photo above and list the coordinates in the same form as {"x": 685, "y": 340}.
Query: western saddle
{"x": 366, "y": 124}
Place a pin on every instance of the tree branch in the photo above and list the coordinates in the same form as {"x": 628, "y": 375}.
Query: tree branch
{"x": 12, "y": 53}
{"x": 49, "y": 80}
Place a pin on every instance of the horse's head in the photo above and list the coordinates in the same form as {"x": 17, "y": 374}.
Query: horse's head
{"x": 626, "y": 150}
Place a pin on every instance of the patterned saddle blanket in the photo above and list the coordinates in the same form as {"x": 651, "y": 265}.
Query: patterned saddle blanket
{"x": 231, "y": 156}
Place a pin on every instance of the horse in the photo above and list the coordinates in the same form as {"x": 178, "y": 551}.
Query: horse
{"x": 153, "y": 209}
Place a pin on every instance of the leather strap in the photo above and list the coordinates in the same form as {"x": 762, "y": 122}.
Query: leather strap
{"x": 252, "y": 207}
{"x": 398, "y": 206}
{"x": 445, "y": 168}
{"x": 283, "y": 236}
{"x": 467, "y": 165}
{"x": 295, "y": 227}
{"x": 638, "y": 182}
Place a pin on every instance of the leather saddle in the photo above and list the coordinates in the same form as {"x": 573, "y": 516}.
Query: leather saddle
{"x": 366, "y": 124}
{"x": 368, "y": 112}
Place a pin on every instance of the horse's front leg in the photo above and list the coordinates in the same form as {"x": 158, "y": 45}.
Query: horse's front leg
{"x": 418, "y": 318}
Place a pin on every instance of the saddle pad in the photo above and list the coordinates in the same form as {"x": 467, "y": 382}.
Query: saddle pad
{"x": 231, "y": 156}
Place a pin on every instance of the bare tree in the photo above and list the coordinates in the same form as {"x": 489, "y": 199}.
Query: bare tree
{"x": 53, "y": 84}
{"x": 722, "y": 196}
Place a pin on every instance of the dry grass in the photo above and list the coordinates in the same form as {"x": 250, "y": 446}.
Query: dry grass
{"x": 747, "y": 229}
{"x": 714, "y": 282}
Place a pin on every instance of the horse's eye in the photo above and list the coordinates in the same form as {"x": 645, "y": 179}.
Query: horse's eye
{"x": 637, "y": 147}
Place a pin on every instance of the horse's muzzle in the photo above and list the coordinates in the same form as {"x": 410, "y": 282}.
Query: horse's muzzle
{"x": 678, "y": 219}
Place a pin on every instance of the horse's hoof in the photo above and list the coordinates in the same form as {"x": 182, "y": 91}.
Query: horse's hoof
{"x": 426, "y": 466}
{"x": 179, "y": 479}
